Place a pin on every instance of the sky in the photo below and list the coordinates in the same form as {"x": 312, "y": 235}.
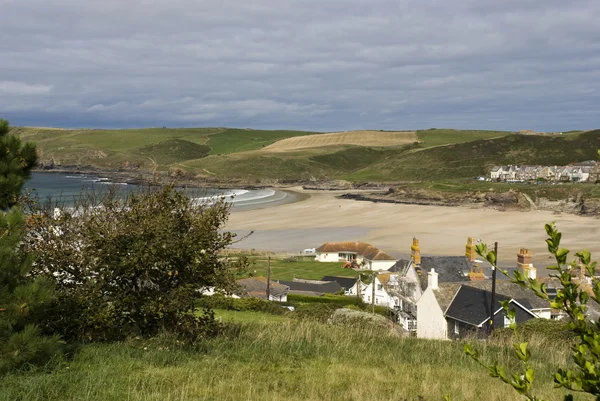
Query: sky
{"x": 322, "y": 65}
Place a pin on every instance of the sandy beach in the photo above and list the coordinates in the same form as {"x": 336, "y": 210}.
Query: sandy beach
{"x": 441, "y": 230}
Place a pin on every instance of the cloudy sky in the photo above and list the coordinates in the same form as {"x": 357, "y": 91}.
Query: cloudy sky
{"x": 302, "y": 64}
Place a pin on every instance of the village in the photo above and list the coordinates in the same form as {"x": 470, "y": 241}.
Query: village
{"x": 432, "y": 297}
{"x": 588, "y": 171}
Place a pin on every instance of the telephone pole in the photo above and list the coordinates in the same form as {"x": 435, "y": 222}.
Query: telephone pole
{"x": 492, "y": 306}
{"x": 268, "y": 278}
{"x": 373, "y": 294}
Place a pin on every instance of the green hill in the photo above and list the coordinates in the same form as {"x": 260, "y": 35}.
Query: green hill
{"x": 242, "y": 154}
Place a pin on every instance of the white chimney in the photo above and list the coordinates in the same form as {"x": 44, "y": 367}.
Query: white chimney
{"x": 432, "y": 280}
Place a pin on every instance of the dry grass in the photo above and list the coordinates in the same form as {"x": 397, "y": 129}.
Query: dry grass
{"x": 358, "y": 138}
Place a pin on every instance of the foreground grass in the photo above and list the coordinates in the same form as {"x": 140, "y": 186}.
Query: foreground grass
{"x": 232, "y": 316}
{"x": 289, "y": 360}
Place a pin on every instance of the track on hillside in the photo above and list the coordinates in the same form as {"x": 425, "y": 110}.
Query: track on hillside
{"x": 358, "y": 138}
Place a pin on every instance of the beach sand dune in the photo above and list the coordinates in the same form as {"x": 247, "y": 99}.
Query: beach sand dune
{"x": 391, "y": 227}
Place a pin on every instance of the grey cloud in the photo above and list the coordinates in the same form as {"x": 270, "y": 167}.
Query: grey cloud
{"x": 323, "y": 65}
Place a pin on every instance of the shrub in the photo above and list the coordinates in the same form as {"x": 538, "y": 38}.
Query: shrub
{"x": 320, "y": 312}
{"x": 342, "y": 300}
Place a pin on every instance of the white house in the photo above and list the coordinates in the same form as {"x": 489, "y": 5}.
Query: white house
{"x": 360, "y": 254}
{"x": 381, "y": 295}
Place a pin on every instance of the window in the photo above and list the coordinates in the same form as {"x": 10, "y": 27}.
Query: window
{"x": 379, "y": 287}
{"x": 377, "y": 301}
{"x": 369, "y": 298}
{"x": 456, "y": 328}
{"x": 506, "y": 321}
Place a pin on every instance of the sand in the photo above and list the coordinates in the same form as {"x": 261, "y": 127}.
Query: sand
{"x": 391, "y": 227}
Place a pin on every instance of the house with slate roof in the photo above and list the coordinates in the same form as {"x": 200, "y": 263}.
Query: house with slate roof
{"x": 350, "y": 285}
{"x": 360, "y": 253}
{"x": 256, "y": 287}
{"x": 470, "y": 312}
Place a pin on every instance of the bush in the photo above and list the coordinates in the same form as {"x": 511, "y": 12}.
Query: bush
{"x": 219, "y": 301}
{"x": 320, "y": 312}
{"x": 131, "y": 267}
{"x": 362, "y": 319}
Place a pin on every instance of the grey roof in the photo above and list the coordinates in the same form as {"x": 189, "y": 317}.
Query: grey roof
{"x": 511, "y": 290}
{"x": 256, "y": 287}
{"x": 328, "y": 287}
{"x": 450, "y": 269}
{"x": 472, "y": 305}
{"x": 345, "y": 282}
{"x": 400, "y": 266}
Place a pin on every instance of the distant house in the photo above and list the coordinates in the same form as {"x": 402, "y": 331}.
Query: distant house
{"x": 256, "y": 287}
{"x": 348, "y": 284}
{"x": 365, "y": 255}
{"x": 315, "y": 288}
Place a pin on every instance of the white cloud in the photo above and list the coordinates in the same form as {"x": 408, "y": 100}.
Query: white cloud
{"x": 22, "y": 88}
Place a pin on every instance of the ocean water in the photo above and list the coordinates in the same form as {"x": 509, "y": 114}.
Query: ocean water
{"x": 66, "y": 188}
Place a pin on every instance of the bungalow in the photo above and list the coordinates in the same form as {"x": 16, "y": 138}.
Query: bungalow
{"x": 314, "y": 288}
{"x": 360, "y": 254}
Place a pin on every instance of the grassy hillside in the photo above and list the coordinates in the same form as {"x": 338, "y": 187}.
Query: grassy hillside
{"x": 469, "y": 159}
{"x": 438, "y": 137}
{"x": 274, "y": 359}
{"x": 254, "y": 156}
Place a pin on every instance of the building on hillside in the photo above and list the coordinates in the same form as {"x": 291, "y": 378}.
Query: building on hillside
{"x": 350, "y": 285}
{"x": 315, "y": 288}
{"x": 256, "y": 287}
{"x": 470, "y": 312}
{"x": 432, "y": 307}
{"x": 364, "y": 255}
{"x": 378, "y": 291}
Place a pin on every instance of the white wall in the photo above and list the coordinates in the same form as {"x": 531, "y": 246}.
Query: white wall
{"x": 327, "y": 257}
{"x": 543, "y": 313}
{"x": 382, "y": 298}
{"x": 431, "y": 322}
{"x": 379, "y": 264}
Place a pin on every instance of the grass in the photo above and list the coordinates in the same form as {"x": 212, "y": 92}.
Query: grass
{"x": 228, "y": 316}
{"x": 439, "y": 137}
{"x": 240, "y": 140}
{"x": 312, "y": 270}
{"x": 293, "y": 360}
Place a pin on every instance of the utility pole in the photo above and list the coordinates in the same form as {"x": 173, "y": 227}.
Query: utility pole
{"x": 373, "y": 294}
{"x": 492, "y": 306}
{"x": 268, "y": 278}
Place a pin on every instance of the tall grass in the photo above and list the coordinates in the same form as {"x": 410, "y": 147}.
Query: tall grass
{"x": 293, "y": 360}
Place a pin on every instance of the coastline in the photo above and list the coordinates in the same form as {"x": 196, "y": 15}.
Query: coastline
{"x": 442, "y": 230}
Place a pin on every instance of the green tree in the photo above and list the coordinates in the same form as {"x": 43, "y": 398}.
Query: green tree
{"x": 134, "y": 266}
{"x": 21, "y": 296}
{"x": 16, "y": 162}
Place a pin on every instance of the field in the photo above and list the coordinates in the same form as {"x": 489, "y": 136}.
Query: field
{"x": 294, "y": 360}
{"x": 439, "y": 137}
{"x": 286, "y": 270}
{"x": 357, "y": 138}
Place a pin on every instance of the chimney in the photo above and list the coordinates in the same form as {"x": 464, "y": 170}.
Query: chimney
{"x": 415, "y": 252}
{"x": 470, "y": 252}
{"x": 524, "y": 264}
{"x": 476, "y": 273}
{"x": 432, "y": 280}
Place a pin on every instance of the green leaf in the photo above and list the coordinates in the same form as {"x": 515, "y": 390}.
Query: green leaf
{"x": 529, "y": 375}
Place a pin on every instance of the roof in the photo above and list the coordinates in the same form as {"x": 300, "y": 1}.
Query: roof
{"x": 444, "y": 294}
{"x": 256, "y": 287}
{"x": 345, "y": 282}
{"x": 401, "y": 266}
{"x": 472, "y": 305}
{"x": 511, "y": 290}
{"x": 450, "y": 269}
{"x": 312, "y": 286}
{"x": 360, "y": 248}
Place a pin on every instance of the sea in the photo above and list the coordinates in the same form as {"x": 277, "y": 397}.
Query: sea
{"x": 64, "y": 188}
